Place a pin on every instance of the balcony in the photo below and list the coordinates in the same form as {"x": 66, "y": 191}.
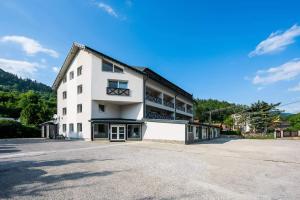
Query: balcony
{"x": 180, "y": 107}
{"x": 154, "y": 99}
{"x": 169, "y": 104}
{"x": 117, "y": 91}
{"x": 189, "y": 110}
{"x": 155, "y": 115}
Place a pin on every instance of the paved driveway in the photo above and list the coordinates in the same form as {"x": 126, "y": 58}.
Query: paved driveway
{"x": 221, "y": 169}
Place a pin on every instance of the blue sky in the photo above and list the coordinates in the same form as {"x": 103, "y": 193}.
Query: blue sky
{"x": 239, "y": 51}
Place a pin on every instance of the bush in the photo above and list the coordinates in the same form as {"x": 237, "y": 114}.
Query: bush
{"x": 259, "y": 136}
{"x": 14, "y": 129}
{"x": 231, "y": 132}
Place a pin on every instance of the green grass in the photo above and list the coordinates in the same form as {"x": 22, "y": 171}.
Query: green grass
{"x": 258, "y": 136}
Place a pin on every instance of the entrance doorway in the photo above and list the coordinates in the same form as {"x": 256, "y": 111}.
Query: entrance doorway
{"x": 117, "y": 132}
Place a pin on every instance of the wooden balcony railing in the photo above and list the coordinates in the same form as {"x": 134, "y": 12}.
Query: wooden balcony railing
{"x": 117, "y": 91}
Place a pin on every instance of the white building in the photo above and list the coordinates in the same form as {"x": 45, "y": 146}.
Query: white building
{"x": 99, "y": 97}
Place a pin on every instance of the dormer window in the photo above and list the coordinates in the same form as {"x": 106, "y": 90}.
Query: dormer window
{"x": 109, "y": 67}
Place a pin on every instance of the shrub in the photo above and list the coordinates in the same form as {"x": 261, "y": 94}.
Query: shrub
{"x": 231, "y": 132}
{"x": 259, "y": 136}
{"x": 14, "y": 129}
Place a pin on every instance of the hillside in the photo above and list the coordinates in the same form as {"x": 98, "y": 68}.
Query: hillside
{"x": 9, "y": 82}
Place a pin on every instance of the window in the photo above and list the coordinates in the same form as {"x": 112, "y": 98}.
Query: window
{"x": 79, "y": 108}
{"x": 118, "y": 84}
{"x": 79, "y": 71}
{"x": 71, "y": 75}
{"x": 190, "y": 129}
{"x": 101, "y": 131}
{"x": 113, "y": 84}
{"x": 64, "y": 94}
{"x": 107, "y": 67}
{"x": 71, "y": 127}
{"x": 65, "y": 79}
{"x": 79, "y": 127}
{"x": 64, "y": 128}
{"x": 101, "y": 108}
{"x": 134, "y": 131}
{"x": 123, "y": 84}
{"x": 64, "y": 111}
{"x": 79, "y": 89}
{"x": 118, "y": 69}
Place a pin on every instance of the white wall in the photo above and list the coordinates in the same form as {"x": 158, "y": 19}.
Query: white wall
{"x": 100, "y": 83}
{"x": 132, "y": 111}
{"x": 83, "y": 59}
{"x": 111, "y": 110}
{"x": 163, "y": 131}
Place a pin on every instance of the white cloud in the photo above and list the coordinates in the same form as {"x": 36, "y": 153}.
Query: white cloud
{"x": 277, "y": 41}
{"x": 21, "y": 68}
{"x": 108, "y": 9}
{"x": 55, "y": 69}
{"x": 287, "y": 71}
{"x": 30, "y": 46}
{"x": 295, "y": 88}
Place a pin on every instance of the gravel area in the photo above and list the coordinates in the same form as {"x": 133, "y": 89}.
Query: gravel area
{"x": 219, "y": 169}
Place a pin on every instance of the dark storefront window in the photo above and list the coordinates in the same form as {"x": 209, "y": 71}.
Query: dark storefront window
{"x": 101, "y": 131}
{"x": 134, "y": 131}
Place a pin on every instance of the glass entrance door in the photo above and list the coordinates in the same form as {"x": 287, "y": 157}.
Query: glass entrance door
{"x": 117, "y": 132}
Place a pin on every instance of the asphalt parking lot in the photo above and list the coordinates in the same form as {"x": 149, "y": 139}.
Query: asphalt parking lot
{"x": 219, "y": 169}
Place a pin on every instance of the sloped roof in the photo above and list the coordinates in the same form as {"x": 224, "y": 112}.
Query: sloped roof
{"x": 142, "y": 70}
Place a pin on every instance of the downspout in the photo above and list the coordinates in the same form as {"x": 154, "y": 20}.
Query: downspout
{"x": 175, "y": 106}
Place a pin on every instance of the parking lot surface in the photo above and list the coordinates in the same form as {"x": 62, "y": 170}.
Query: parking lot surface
{"x": 218, "y": 169}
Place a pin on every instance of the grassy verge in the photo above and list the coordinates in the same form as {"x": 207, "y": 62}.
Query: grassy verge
{"x": 258, "y": 136}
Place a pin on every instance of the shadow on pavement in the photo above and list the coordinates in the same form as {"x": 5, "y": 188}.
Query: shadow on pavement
{"x": 28, "y": 178}
{"x": 221, "y": 140}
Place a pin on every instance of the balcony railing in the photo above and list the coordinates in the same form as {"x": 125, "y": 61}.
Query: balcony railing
{"x": 154, "y": 99}
{"x": 117, "y": 91}
{"x": 154, "y": 115}
{"x": 169, "y": 104}
{"x": 189, "y": 110}
{"x": 178, "y": 107}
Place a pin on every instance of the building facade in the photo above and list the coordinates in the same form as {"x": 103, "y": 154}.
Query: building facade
{"x": 99, "y": 97}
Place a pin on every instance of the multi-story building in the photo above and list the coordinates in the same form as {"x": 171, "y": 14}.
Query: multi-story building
{"x": 99, "y": 97}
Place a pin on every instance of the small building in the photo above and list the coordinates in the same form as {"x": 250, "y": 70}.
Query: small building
{"x": 49, "y": 130}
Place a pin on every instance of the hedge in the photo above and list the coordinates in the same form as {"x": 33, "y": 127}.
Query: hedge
{"x": 14, "y": 129}
{"x": 231, "y": 132}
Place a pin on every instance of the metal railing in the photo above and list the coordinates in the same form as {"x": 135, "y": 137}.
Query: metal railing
{"x": 189, "y": 110}
{"x": 117, "y": 91}
{"x": 178, "y": 107}
{"x": 154, "y": 99}
{"x": 169, "y": 104}
{"x": 154, "y": 115}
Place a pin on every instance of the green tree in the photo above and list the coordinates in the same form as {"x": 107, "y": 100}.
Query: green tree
{"x": 261, "y": 116}
{"x": 229, "y": 121}
{"x": 294, "y": 121}
{"x": 222, "y": 109}
{"x": 36, "y": 108}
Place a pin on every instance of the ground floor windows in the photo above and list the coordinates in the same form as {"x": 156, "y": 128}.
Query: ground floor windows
{"x": 101, "y": 131}
{"x": 134, "y": 131}
{"x": 71, "y": 128}
{"x": 79, "y": 127}
{"x": 117, "y": 131}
